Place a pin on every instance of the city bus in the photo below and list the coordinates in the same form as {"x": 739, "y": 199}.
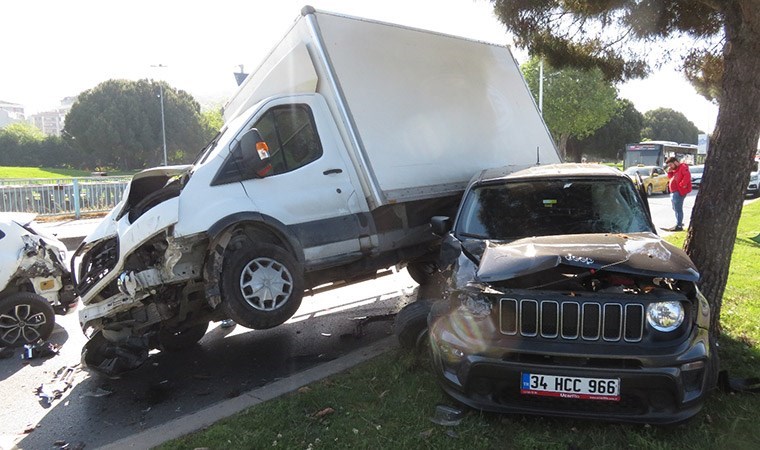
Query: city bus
{"x": 654, "y": 153}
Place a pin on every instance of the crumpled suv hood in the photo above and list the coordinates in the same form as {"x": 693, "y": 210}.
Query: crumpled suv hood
{"x": 635, "y": 253}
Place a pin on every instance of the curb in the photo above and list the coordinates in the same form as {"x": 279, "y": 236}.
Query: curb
{"x": 214, "y": 413}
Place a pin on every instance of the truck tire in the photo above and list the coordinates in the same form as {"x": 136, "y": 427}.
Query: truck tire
{"x": 172, "y": 340}
{"x": 153, "y": 199}
{"x": 262, "y": 286}
{"x": 25, "y": 318}
{"x": 411, "y": 325}
{"x": 423, "y": 272}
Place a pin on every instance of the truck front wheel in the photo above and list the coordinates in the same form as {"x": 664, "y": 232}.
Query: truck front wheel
{"x": 262, "y": 286}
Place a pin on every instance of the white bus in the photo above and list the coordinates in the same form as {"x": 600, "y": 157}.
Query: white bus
{"x": 654, "y": 153}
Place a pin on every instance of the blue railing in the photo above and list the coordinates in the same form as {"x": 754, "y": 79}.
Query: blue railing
{"x": 65, "y": 196}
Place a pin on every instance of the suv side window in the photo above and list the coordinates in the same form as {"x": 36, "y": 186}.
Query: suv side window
{"x": 291, "y": 134}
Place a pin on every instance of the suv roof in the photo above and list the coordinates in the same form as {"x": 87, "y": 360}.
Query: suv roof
{"x": 549, "y": 170}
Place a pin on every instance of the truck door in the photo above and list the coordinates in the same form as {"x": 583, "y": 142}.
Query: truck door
{"x": 311, "y": 186}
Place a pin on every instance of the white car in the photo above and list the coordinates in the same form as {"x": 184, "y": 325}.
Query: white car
{"x": 34, "y": 281}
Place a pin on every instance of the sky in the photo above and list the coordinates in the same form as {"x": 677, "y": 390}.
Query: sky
{"x": 55, "y": 49}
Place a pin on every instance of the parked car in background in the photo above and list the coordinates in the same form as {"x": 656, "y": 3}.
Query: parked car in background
{"x": 696, "y": 175}
{"x": 654, "y": 178}
{"x": 753, "y": 188}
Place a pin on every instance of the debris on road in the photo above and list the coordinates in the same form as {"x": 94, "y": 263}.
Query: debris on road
{"x": 447, "y": 416}
{"x": 98, "y": 393}
{"x": 62, "y": 381}
{"x": 40, "y": 349}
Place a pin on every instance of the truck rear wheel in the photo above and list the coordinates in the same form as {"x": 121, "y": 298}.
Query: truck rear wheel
{"x": 262, "y": 286}
{"x": 25, "y": 318}
{"x": 423, "y": 272}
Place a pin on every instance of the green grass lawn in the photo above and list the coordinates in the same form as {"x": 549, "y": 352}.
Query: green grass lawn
{"x": 44, "y": 172}
{"x": 387, "y": 402}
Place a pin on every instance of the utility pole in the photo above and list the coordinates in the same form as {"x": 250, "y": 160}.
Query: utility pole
{"x": 163, "y": 120}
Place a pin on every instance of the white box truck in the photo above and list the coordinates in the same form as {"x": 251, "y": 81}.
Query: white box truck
{"x": 334, "y": 155}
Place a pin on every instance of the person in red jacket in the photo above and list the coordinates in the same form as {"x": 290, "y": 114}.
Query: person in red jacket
{"x": 680, "y": 185}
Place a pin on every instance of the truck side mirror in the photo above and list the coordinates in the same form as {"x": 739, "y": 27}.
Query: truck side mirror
{"x": 440, "y": 225}
{"x": 254, "y": 153}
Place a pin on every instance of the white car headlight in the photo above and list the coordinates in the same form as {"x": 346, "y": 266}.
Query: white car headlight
{"x": 665, "y": 316}
{"x": 754, "y": 178}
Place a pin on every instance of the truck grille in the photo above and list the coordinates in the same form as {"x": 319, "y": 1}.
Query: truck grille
{"x": 570, "y": 320}
{"x": 97, "y": 263}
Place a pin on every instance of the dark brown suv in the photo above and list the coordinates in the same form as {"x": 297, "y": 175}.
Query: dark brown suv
{"x": 562, "y": 300}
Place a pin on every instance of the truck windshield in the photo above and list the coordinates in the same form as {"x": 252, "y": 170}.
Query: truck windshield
{"x": 515, "y": 210}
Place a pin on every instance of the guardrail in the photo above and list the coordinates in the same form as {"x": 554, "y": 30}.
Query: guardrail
{"x": 50, "y": 197}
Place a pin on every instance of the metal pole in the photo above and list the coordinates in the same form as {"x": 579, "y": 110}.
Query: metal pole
{"x": 163, "y": 122}
{"x": 541, "y": 86}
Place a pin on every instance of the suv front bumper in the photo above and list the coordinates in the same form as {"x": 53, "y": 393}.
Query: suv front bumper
{"x": 484, "y": 371}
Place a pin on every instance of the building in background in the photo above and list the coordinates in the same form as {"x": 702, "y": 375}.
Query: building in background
{"x": 10, "y": 113}
{"x": 51, "y": 122}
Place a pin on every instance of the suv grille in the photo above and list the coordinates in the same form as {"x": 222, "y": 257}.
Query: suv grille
{"x": 97, "y": 263}
{"x": 588, "y": 321}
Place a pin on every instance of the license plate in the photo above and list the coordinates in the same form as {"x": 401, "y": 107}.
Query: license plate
{"x": 570, "y": 387}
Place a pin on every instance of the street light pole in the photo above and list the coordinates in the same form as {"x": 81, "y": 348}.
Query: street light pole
{"x": 163, "y": 120}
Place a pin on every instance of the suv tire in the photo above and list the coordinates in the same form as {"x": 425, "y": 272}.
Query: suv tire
{"x": 25, "y": 318}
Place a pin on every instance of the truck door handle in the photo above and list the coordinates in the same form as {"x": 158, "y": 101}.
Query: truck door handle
{"x": 331, "y": 171}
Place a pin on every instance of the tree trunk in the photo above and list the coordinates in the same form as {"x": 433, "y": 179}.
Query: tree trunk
{"x": 563, "y": 146}
{"x": 712, "y": 228}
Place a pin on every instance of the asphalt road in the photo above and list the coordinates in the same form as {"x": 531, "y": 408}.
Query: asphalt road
{"x": 228, "y": 362}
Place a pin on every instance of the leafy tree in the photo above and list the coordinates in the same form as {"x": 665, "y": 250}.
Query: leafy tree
{"x": 575, "y": 103}
{"x": 23, "y": 144}
{"x": 118, "y": 123}
{"x": 609, "y": 141}
{"x": 718, "y": 42}
{"x": 665, "y": 124}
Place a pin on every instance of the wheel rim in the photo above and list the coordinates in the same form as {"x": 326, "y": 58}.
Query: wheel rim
{"x": 21, "y": 324}
{"x": 265, "y": 284}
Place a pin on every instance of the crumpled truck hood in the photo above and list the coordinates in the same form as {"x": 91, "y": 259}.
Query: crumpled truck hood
{"x": 636, "y": 253}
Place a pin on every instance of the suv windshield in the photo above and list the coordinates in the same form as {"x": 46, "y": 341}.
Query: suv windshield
{"x": 552, "y": 207}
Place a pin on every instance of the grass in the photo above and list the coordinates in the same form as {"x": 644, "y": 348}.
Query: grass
{"x": 44, "y": 172}
{"x": 387, "y": 402}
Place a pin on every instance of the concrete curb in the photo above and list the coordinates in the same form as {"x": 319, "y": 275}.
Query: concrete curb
{"x": 208, "y": 416}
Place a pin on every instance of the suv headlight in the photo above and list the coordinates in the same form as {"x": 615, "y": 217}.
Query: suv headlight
{"x": 754, "y": 178}
{"x": 665, "y": 316}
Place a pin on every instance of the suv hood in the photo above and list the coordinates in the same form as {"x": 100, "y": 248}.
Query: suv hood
{"x": 635, "y": 253}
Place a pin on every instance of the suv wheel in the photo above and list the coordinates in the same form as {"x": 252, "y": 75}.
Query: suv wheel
{"x": 411, "y": 326}
{"x": 262, "y": 286}
{"x": 25, "y": 318}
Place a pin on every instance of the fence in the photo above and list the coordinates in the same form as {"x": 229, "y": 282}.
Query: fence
{"x": 50, "y": 197}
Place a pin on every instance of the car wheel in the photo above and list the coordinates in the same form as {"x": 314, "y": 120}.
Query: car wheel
{"x": 262, "y": 286}
{"x": 423, "y": 272}
{"x": 25, "y": 318}
{"x": 649, "y": 189}
{"x": 411, "y": 325}
{"x": 174, "y": 340}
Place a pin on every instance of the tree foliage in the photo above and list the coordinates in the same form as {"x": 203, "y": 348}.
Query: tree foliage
{"x": 575, "y": 102}
{"x": 23, "y": 144}
{"x": 118, "y": 123}
{"x": 609, "y": 141}
{"x": 717, "y": 42}
{"x": 665, "y": 124}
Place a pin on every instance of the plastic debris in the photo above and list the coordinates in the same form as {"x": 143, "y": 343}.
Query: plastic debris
{"x": 447, "y": 416}
{"x": 40, "y": 349}
{"x": 324, "y": 412}
{"x": 97, "y": 393}
{"x": 62, "y": 381}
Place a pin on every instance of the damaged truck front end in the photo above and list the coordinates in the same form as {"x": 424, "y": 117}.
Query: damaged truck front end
{"x": 140, "y": 286}
{"x": 556, "y": 307}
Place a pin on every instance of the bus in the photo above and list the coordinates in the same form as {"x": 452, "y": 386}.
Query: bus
{"x": 654, "y": 153}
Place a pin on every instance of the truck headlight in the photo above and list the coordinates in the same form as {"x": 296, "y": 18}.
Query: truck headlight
{"x": 665, "y": 316}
